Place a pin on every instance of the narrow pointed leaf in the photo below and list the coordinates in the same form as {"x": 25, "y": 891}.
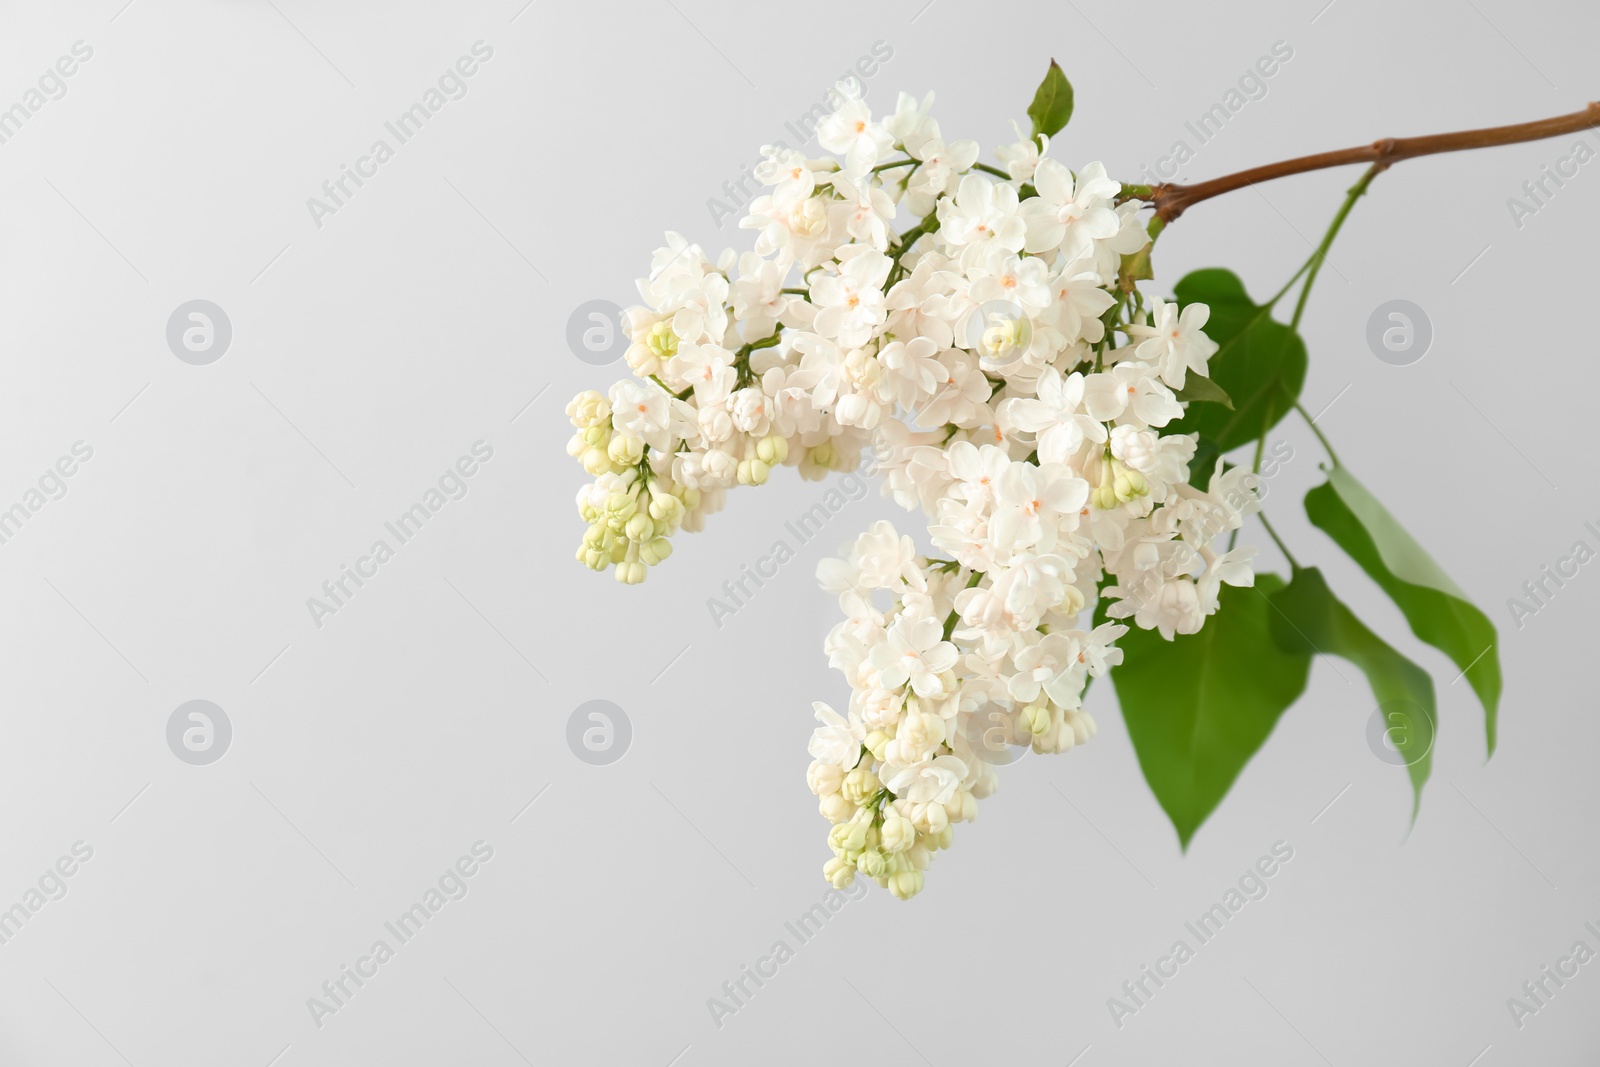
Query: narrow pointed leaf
{"x": 1198, "y": 707}
{"x": 1260, "y": 364}
{"x": 1438, "y": 611}
{"x": 1052, "y": 102}
{"x": 1308, "y": 617}
{"x": 1199, "y": 387}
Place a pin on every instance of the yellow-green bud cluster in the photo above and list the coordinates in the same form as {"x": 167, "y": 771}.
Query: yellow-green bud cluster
{"x": 760, "y": 457}
{"x": 1118, "y": 484}
{"x": 630, "y": 525}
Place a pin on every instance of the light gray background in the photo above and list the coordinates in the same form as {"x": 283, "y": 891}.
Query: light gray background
{"x": 431, "y": 312}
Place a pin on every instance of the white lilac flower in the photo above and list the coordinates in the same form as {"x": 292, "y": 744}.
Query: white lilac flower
{"x": 1174, "y": 340}
{"x": 981, "y": 217}
{"x": 1071, "y": 213}
{"x": 975, "y": 362}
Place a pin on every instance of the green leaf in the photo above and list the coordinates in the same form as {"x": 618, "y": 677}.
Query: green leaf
{"x": 1310, "y": 618}
{"x": 1438, "y": 611}
{"x": 1261, "y": 363}
{"x": 1199, "y": 387}
{"x": 1204, "y": 463}
{"x": 1052, "y": 103}
{"x": 1198, "y": 707}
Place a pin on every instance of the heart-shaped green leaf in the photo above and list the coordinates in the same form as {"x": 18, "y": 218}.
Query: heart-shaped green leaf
{"x": 1309, "y": 618}
{"x": 1438, "y": 611}
{"x": 1260, "y": 363}
{"x": 1198, "y": 707}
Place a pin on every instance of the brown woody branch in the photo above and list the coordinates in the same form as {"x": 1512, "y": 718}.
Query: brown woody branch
{"x": 1172, "y": 200}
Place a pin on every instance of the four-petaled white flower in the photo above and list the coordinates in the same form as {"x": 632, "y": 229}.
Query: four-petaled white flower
{"x": 1174, "y": 340}
{"x": 1071, "y": 214}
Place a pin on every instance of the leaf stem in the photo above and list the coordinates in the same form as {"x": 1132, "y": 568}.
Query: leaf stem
{"x": 1281, "y": 546}
{"x": 950, "y": 620}
{"x": 1354, "y": 193}
{"x": 1255, "y": 466}
{"x": 1332, "y": 455}
{"x": 894, "y": 164}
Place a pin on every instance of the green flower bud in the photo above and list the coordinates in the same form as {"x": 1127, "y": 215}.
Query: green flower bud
{"x": 872, "y": 863}
{"x": 625, "y": 451}
{"x": 772, "y": 450}
{"x": 639, "y": 527}
{"x": 656, "y": 551}
{"x": 661, "y": 340}
{"x": 906, "y": 884}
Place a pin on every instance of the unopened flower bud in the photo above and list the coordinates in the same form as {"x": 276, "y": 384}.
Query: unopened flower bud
{"x": 655, "y": 552}
{"x": 858, "y": 785}
{"x": 848, "y": 838}
{"x": 642, "y": 360}
{"x": 962, "y": 807}
{"x": 588, "y": 408}
{"x": 625, "y": 451}
{"x": 835, "y": 808}
{"x": 824, "y": 779}
{"x": 753, "y": 472}
{"x": 621, "y": 506}
{"x": 1036, "y": 718}
{"x": 639, "y": 527}
{"x": 661, "y": 340}
{"x": 897, "y": 833}
{"x": 876, "y": 742}
{"x": 839, "y": 873}
{"x": 772, "y": 450}
{"x": 666, "y": 508}
{"x": 906, "y": 884}
{"x": 872, "y": 863}
{"x": 1082, "y": 724}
